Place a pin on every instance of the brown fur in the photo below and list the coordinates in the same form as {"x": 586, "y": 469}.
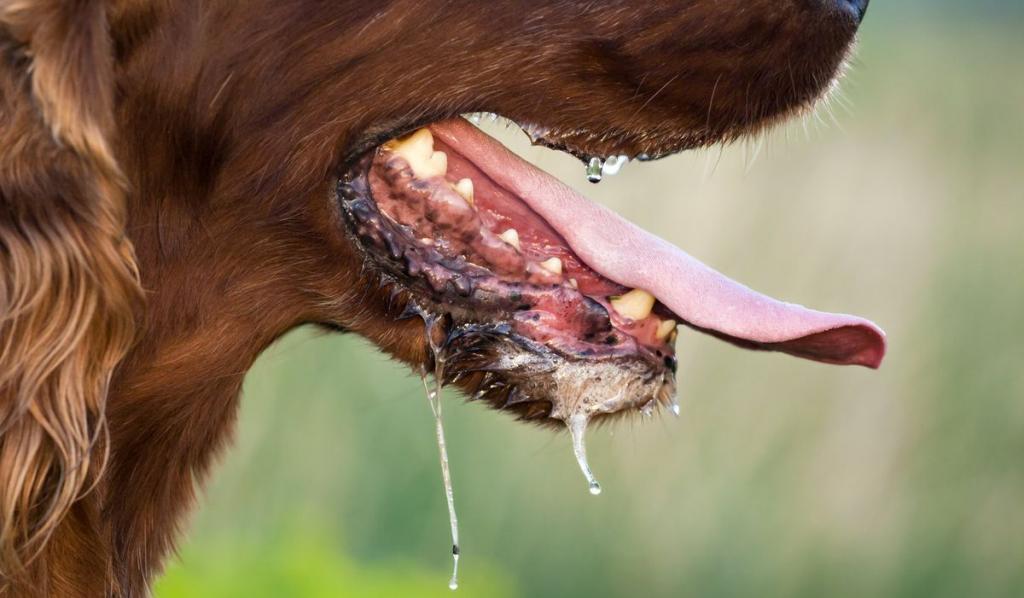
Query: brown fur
{"x": 208, "y": 135}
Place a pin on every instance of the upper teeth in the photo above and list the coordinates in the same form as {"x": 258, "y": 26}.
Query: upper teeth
{"x": 511, "y": 236}
{"x": 465, "y": 188}
{"x": 635, "y": 305}
{"x": 553, "y": 265}
{"x": 418, "y": 150}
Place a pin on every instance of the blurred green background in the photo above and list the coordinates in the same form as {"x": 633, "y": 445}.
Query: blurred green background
{"x": 903, "y": 201}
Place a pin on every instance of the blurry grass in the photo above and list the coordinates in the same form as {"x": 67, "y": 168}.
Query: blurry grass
{"x": 306, "y": 563}
{"x": 782, "y": 478}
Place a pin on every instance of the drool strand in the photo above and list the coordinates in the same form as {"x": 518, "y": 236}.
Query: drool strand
{"x": 434, "y": 399}
{"x": 577, "y": 424}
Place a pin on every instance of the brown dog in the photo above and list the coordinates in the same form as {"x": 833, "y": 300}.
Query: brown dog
{"x": 183, "y": 182}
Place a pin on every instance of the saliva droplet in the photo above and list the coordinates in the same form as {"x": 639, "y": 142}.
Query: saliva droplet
{"x": 613, "y": 165}
{"x": 434, "y": 398}
{"x": 578, "y": 428}
{"x": 594, "y": 170}
{"x": 453, "y": 583}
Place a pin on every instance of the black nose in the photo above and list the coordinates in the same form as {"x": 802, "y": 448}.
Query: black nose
{"x": 856, "y": 7}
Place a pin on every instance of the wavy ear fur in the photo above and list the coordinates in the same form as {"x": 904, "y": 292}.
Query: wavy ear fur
{"x": 68, "y": 283}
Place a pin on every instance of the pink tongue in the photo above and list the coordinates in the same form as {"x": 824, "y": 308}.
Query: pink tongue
{"x": 630, "y": 256}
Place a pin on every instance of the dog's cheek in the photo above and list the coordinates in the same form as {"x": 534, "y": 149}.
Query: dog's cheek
{"x": 346, "y": 293}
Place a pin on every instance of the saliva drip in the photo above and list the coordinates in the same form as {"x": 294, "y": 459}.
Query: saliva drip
{"x": 595, "y": 170}
{"x": 577, "y": 424}
{"x": 613, "y": 165}
{"x": 434, "y": 398}
{"x": 598, "y": 168}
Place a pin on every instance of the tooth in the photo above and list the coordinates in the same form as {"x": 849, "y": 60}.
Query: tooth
{"x": 635, "y": 305}
{"x": 418, "y": 151}
{"x": 511, "y": 236}
{"x": 666, "y": 328}
{"x": 419, "y": 143}
{"x": 438, "y": 165}
{"x": 574, "y": 283}
{"x": 553, "y": 265}
{"x": 465, "y": 188}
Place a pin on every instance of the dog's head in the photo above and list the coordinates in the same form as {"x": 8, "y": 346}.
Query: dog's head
{"x": 333, "y": 135}
{"x": 280, "y": 163}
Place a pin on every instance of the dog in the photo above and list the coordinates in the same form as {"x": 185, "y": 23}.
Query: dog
{"x": 183, "y": 182}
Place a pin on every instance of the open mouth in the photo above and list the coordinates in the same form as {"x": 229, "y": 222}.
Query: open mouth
{"x": 553, "y": 305}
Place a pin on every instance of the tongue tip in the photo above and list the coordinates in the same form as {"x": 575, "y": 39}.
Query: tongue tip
{"x": 872, "y": 353}
{"x": 860, "y": 343}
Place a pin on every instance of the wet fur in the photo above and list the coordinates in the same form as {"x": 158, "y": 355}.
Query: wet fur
{"x": 167, "y": 211}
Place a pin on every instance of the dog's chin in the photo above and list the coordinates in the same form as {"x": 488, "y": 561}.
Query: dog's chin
{"x": 541, "y": 302}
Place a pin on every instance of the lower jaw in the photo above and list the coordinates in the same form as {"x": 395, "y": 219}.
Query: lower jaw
{"x": 527, "y": 343}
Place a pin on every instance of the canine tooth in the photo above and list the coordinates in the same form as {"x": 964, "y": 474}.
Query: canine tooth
{"x": 434, "y": 166}
{"x": 419, "y": 143}
{"x": 438, "y": 163}
{"x": 553, "y": 265}
{"x": 666, "y": 328}
{"x": 418, "y": 151}
{"x": 465, "y": 188}
{"x": 635, "y": 305}
{"x": 511, "y": 236}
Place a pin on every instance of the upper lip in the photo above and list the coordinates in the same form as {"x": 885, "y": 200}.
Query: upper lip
{"x": 583, "y": 144}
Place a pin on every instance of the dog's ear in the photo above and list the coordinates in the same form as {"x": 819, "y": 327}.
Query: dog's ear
{"x": 68, "y": 283}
